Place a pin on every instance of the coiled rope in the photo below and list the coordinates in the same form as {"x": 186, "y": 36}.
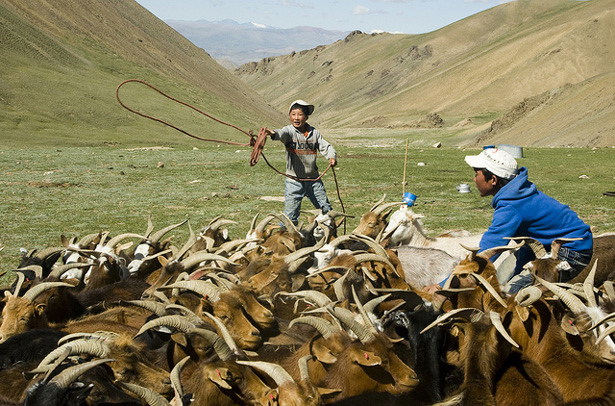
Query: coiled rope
{"x": 256, "y": 142}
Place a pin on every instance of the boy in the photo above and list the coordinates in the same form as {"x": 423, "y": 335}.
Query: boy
{"x": 302, "y": 141}
{"x": 521, "y": 210}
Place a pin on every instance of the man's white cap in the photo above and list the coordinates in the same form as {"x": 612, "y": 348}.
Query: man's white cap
{"x": 496, "y": 161}
{"x": 310, "y": 107}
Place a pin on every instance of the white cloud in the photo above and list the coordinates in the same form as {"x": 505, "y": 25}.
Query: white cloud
{"x": 257, "y": 25}
{"x": 360, "y": 10}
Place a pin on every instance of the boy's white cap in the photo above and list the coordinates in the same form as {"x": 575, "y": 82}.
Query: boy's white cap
{"x": 496, "y": 161}
{"x": 310, "y": 107}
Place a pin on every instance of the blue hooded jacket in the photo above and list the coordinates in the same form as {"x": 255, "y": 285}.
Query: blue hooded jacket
{"x": 521, "y": 210}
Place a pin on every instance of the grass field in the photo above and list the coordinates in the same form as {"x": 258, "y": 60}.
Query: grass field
{"x": 47, "y": 192}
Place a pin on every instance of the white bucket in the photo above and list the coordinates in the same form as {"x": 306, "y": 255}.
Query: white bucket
{"x": 515, "y": 151}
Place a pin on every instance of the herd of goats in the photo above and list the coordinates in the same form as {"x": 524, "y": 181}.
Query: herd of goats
{"x": 301, "y": 315}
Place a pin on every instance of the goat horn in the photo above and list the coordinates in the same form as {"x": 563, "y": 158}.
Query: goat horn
{"x": 161, "y": 233}
{"x": 374, "y": 257}
{"x": 185, "y": 312}
{"x": 378, "y": 249}
{"x": 378, "y": 203}
{"x": 149, "y": 396}
{"x": 304, "y": 371}
{"x": 260, "y": 227}
{"x": 59, "y": 270}
{"x": 116, "y": 240}
{"x": 275, "y": 371}
{"x": 198, "y": 257}
{"x": 150, "y": 226}
{"x": 489, "y": 288}
{"x": 37, "y": 269}
{"x": 467, "y": 313}
{"x": 254, "y": 220}
{"x": 175, "y": 321}
{"x": 87, "y": 240}
{"x": 47, "y": 252}
{"x": 225, "y": 333}
{"x": 81, "y": 346}
{"x": 314, "y": 296}
{"x": 220, "y": 346}
{"x": 488, "y": 253}
{"x": 366, "y": 319}
{"x": 191, "y": 241}
{"x": 233, "y": 245}
{"x": 325, "y": 328}
{"x": 338, "y": 286}
{"x": 155, "y": 307}
{"x": 574, "y": 303}
{"x": 176, "y": 383}
{"x": 607, "y": 332}
{"x": 496, "y": 320}
{"x": 347, "y": 318}
{"x": 300, "y": 253}
{"x": 610, "y": 290}
{"x": 537, "y": 247}
{"x": 99, "y": 335}
{"x": 20, "y": 280}
{"x": 335, "y": 268}
{"x": 528, "y": 295}
{"x": 588, "y": 286}
{"x": 68, "y": 376}
{"x": 203, "y": 288}
{"x": 371, "y": 305}
{"x": 33, "y": 292}
{"x": 215, "y": 225}
{"x": 603, "y": 320}
{"x": 386, "y": 206}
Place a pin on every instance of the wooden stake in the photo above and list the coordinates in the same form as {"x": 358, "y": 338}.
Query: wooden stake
{"x": 405, "y": 166}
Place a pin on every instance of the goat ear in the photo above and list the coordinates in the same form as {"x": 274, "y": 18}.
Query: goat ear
{"x": 322, "y": 353}
{"x": 523, "y": 312}
{"x": 180, "y": 338}
{"x": 219, "y": 376}
{"x": 39, "y": 308}
{"x": 567, "y": 324}
{"x": 367, "y": 359}
{"x": 327, "y": 393}
{"x": 163, "y": 261}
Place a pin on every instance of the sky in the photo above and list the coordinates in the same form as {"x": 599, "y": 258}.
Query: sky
{"x": 394, "y": 16}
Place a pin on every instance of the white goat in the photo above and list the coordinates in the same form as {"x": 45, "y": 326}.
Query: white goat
{"x": 425, "y": 266}
{"x": 404, "y": 228}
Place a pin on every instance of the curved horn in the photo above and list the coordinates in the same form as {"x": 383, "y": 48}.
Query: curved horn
{"x": 260, "y": 227}
{"x": 225, "y": 334}
{"x": 159, "y": 234}
{"x": 204, "y": 288}
{"x": 489, "y": 288}
{"x": 290, "y": 226}
{"x": 176, "y": 383}
{"x": 220, "y": 346}
{"x": 198, "y": 257}
{"x": 275, "y": 371}
{"x": 366, "y": 319}
{"x": 33, "y": 292}
{"x": 378, "y": 249}
{"x": 59, "y": 270}
{"x": 175, "y": 321}
{"x": 118, "y": 238}
{"x": 300, "y": 253}
{"x": 20, "y": 280}
{"x": 378, "y": 203}
{"x": 574, "y": 303}
{"x": 215, "y": 225}
{"x": 70, "y": 374}
{"x": 325, "y": 328}
{"x": 157, "y": 308}
{"x": 496, "y": 320}
{"x": 537, "y": 247}
{"x": 149, "y": 396}
{"x": 317, "y": 298}
{"x": 374, "y": 257}
{"x": 347, "y": 318}
{"x": 304, "y": 371}
{"x": 588, "y": 286}
{"x": 488, "y": 253}
{"x": 528, "y": 295}
{"x": 467, "y": 313}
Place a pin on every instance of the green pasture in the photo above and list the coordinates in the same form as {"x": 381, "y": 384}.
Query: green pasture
{"x": 47, "y": 192}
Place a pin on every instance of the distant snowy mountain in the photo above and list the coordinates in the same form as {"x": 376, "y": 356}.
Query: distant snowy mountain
{"x": 233, "y": 44}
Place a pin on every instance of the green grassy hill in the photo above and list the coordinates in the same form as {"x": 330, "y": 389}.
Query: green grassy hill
{"x": 62, "y": 61}
{"x": 469, "y": 73}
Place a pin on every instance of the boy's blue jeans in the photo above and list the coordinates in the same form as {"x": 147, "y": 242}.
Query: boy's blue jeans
{"x": 294, "y": 192}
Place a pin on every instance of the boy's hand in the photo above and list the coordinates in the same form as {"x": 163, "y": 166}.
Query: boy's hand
{"x": 332, "y": 162}
{"x": 269, "y": 131}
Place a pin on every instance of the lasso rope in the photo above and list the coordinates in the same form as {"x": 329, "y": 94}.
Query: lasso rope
{"x": 256, "y": 142}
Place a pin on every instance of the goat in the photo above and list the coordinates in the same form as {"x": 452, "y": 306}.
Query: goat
{"x": 373, "y": 223}
{"x": 494, "y": 372}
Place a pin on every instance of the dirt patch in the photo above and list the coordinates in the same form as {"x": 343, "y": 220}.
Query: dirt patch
{"x": 46, "y": 183}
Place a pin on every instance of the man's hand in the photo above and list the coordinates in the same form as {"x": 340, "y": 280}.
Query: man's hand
{"x": 332, "y": 162}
